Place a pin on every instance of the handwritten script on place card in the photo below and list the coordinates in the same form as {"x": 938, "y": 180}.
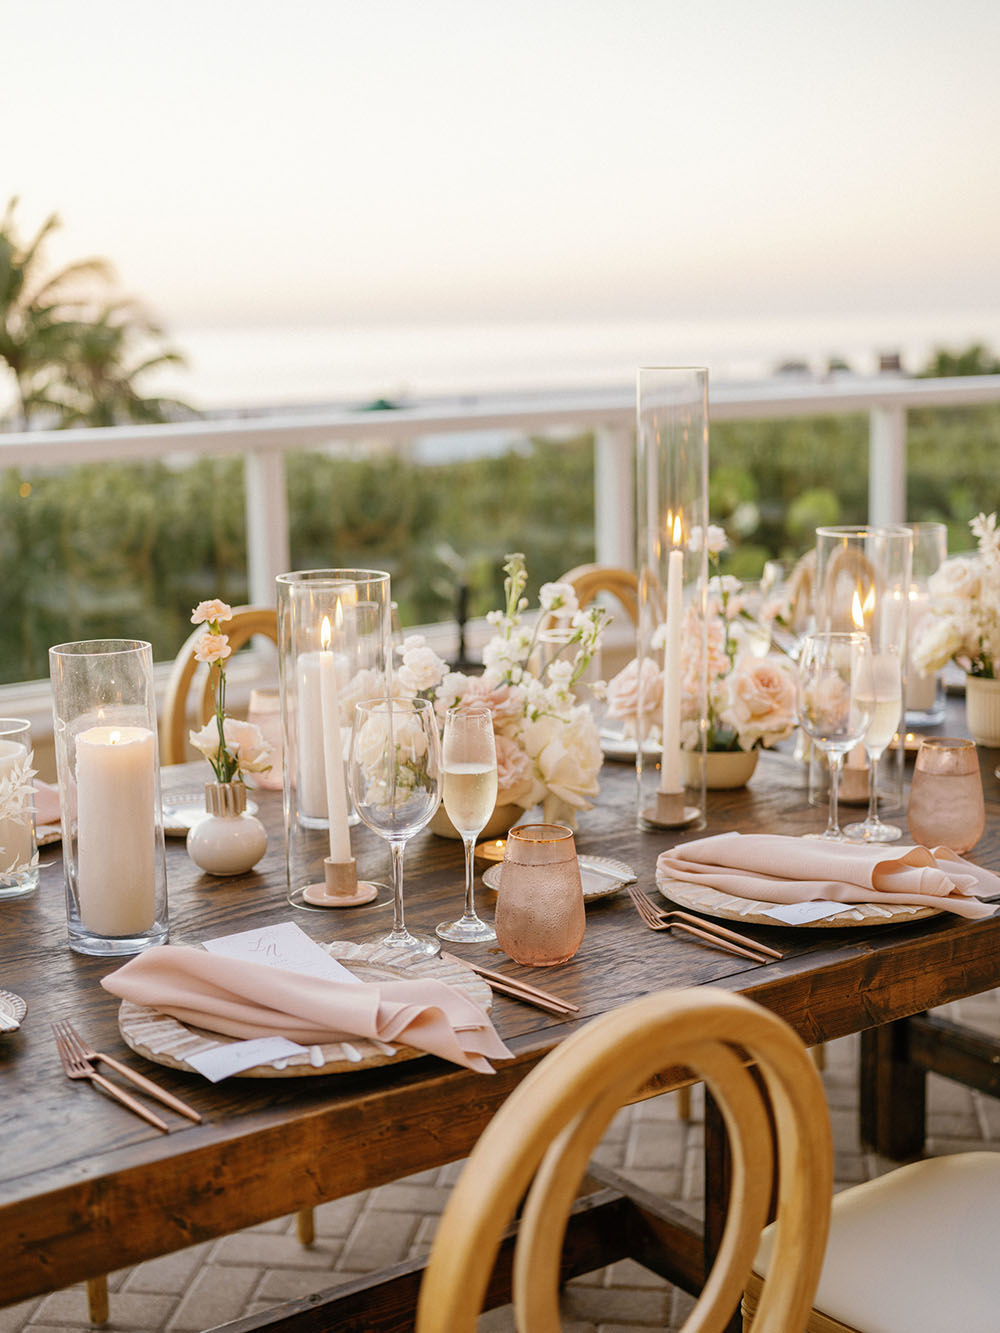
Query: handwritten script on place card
{"x": 220, "y": 1063}
{"x": 800, "y": 914}
{"x": 286, "y": 946}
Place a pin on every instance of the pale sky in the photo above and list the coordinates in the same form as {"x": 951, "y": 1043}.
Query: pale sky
{"x": 419, "y": 160}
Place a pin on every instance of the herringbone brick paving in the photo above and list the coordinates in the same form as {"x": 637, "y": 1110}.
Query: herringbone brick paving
{"x": 252, "y": 1270}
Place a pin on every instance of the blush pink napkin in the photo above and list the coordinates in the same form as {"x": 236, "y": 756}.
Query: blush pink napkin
{"x": 250, "y": 1000}
{"x": 775, "y": 868}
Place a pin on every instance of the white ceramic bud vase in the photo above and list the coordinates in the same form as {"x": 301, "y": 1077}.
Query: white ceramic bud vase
{"x": 228, "y": 841}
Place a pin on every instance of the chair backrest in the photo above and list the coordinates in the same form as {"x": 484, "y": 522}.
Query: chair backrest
{"x": 545, "y": 1132}
{"x": 589, "y": 580}
{"x": 246, "y": 622}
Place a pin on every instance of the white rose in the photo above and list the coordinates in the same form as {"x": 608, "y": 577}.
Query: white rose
{"x": 939, "y": 639}
{"x": 244, "y": 741}
{"x": 570, "y": 761}
{"x": 956, "y": 580}
{"x": 762, "y": 700}
{"x": 422, "y": 669}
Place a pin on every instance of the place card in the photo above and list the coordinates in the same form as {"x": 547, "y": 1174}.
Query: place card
{"x": 223, "y": 1061}
{"x": 800, "y": 914}
{"x": 286, "y": 946}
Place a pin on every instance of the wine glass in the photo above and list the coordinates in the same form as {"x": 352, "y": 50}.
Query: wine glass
{"x": 886, "y": 707}
{"x": 836, "y": 689}
{"x": 394, "y": 775}
{"x": 470, "y": 793}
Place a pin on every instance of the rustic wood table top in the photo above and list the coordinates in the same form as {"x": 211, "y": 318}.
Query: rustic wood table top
{"x": 87, "y": 1187}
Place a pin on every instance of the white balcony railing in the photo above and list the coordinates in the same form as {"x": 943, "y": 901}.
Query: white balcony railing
{"x": 264, "y": 441}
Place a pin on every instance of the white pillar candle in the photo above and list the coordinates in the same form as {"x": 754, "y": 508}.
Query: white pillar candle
{"x": 17, "y": 843}
{"x": 670, "y": 761}
{"x": 116, "y": 829}
{"x": 336, "y": 790}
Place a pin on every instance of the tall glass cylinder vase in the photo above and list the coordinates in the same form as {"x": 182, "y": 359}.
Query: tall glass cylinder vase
{"x": 672, "y": 566}
{"x": 18, "y": 853}
{"x": 107, "y": 760}
{"x": 863, "y": 583}
{"x": 924, "y": 689}
{"x": 334, "y": 641}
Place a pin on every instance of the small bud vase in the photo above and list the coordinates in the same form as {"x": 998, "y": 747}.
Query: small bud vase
{"x": 227, "y": 841}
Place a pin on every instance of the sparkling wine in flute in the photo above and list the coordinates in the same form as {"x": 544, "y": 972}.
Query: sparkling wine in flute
{"x": 885, "y": 714}
{"x": 470, "y": 793}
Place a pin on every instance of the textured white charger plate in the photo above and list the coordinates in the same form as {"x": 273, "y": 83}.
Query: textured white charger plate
{"x": 702, "y": 898}
{"x": 12, "y": 1006}
{"x": 620, "y": 749}
{"x": 599, "y": 876}
{"x": 168, "y": 1041}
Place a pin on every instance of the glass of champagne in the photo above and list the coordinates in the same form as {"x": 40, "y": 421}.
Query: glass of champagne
{"x": 470, "y": 793}
{"x": 836, "y": 689}
{"x": 394, "y": 775}
{"x": 886, "y": 707}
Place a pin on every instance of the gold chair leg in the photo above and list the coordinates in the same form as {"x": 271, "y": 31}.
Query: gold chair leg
{"x": 305, "y": 1226}
{"x": 684, "y": 1103}
{"x": 97, "y": 1299}
{"x": 818, "y": 1054}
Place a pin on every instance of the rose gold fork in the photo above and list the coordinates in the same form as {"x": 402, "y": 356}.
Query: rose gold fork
{"x": 147, "y": 1085}
{"x": 655, "y": 919}
{"x": 77, "y": 1066}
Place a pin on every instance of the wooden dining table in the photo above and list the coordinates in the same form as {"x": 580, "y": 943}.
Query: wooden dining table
{"x": 88, "y": 1187}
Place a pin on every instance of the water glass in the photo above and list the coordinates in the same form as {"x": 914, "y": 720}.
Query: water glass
{"x": 540, "y": 914}
{"x": 836, "y": 690}
{"x": 394, "y": 773}
{"x": 18, "y": 854}
{"x": 946, "y": 796}
{"x": 109, "y": 791}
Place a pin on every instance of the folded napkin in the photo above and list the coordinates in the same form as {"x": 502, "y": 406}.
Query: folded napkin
{"x": 775, "y": 868}
{"x": 249, "y": 1000}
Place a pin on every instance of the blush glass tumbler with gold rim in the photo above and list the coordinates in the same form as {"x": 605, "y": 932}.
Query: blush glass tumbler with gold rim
{"x": 540, "y": 915}
{"x": 946, "y": 796}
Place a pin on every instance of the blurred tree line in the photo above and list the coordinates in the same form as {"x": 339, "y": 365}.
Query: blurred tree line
{"x": 128, "y": 549}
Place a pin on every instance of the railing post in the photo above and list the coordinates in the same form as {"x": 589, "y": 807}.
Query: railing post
{"x": 887, "y": 465}
{"x": 614, "y": 497}
{"x": 268, "y": 549}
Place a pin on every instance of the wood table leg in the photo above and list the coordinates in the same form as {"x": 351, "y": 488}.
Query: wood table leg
{"x": 893, "y": 1093}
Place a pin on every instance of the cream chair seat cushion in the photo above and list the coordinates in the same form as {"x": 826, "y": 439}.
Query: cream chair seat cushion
{"x": 914, "y": 1251}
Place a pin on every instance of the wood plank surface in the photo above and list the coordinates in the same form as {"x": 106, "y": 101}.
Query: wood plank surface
{"x": 86, "y": 1187}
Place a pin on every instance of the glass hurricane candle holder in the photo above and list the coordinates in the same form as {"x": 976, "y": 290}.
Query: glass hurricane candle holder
{"x": 924, "y": 690}
{"x": 540, "y": 916}
{"x": 18, "y": 854}
{"x": 109, "y": 791}
{"x": 334, "y": 636}
{"x": 672, "y": 568}
{"x": 946, "y": 796}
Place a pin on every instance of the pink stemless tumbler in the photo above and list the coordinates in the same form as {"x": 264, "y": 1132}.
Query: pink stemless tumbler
{"x": 539, "y": 916}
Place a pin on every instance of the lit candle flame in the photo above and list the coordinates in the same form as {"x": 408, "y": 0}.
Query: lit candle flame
{"x": 861, "y": 612}
{"x": 114, "y": 738}
{"x": 325, "y": 634}
{"x": 678, "y": 530}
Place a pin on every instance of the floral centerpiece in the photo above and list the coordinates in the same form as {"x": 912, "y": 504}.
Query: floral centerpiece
{"x": 232, "y": 747}
{"x": 752, "y": 693}
{"x": 963, "y": 625}
{"x": 547, "y": 740}
{"x": 964, "y": 616}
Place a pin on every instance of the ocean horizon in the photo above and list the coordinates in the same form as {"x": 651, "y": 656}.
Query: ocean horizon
{"x": 247, "y": 366}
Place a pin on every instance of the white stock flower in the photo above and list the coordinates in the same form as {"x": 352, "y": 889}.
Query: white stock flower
{"x": 421, "y": 667}
{"x": 558, "y": 597}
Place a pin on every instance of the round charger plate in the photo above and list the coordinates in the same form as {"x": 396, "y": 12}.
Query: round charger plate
{"x": 600, "y": 876}
{"x": 182, "y": 810}
{"x": 168, "y": 1041}
{"x": 12, "y": 1006}
{"x": 702, "y": 898}
{"x": 620, "y": 749}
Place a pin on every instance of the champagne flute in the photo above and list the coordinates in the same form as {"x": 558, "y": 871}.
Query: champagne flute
{"x": 470, "y": 793}
{"x": 836, "y": 689}
{"x": 886, "y": 707}
{"x": 394, "y": 775}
